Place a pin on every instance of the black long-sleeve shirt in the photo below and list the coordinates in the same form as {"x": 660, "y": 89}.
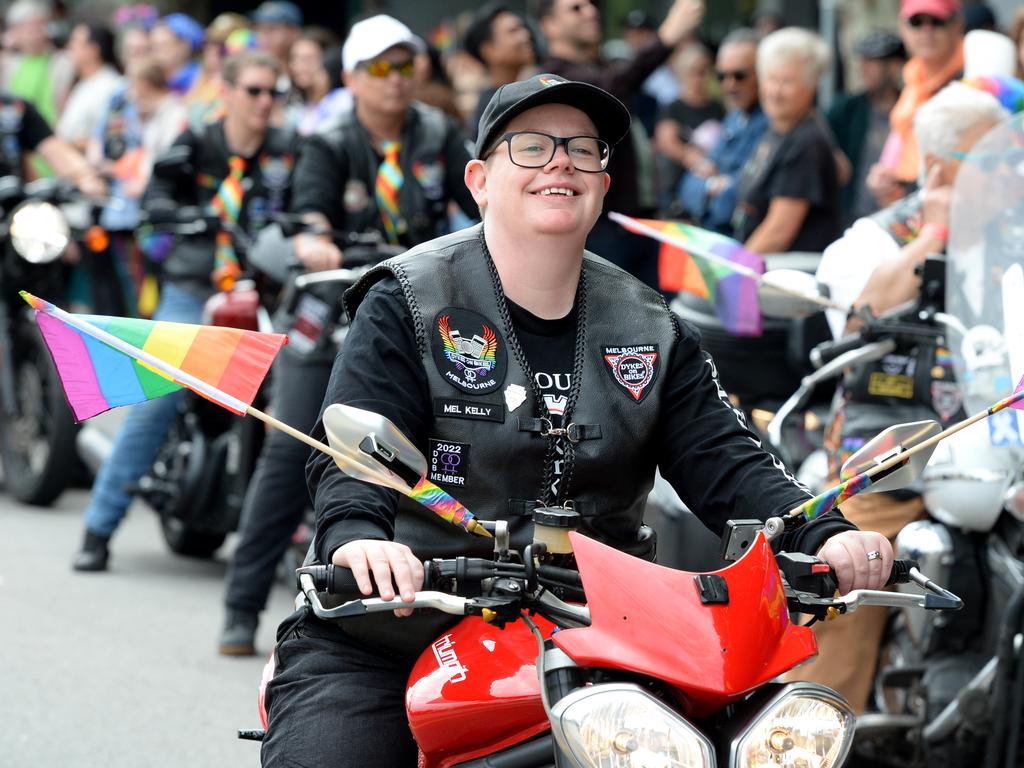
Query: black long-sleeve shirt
{"x": 712, "y": 460}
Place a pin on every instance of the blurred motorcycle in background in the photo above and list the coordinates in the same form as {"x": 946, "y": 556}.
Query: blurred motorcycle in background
{"x": 949, "y": 690}
{"x": 40, "y": 220}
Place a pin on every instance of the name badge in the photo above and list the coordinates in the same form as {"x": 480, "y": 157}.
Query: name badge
{"x": 463, "y": 409}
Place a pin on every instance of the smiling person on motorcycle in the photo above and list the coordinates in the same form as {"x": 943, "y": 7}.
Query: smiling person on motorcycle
{"x": 586, "y": 384}
{"x": 337, "y": 182}
{"x": 242, "y": 150}
{"x": 873, "y": 265}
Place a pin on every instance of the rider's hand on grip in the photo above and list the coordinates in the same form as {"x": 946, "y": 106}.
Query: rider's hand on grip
{"x": 861, "y": 559}
{"x": 392, "y": 566}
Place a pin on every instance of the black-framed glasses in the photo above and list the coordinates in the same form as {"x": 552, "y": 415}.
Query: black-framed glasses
{"x": 739, "y": 75}
{"x": 383, "y": 67}
{"x": 926, "y": 20}
{"x": 255, "y": 91}
{"x": 532, "y": 149}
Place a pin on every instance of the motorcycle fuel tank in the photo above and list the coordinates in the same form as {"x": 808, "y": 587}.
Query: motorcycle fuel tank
{"x": 475, "y": 692}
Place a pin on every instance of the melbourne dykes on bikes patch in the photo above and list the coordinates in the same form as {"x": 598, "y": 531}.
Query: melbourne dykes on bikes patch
{"x": 468, "y": 352}
{"x": 634, "y": 368}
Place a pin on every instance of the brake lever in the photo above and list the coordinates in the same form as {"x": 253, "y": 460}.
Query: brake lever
{"x": 937, "y": 599}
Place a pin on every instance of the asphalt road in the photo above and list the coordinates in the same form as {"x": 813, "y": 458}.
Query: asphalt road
{"x": 118, "y": 669}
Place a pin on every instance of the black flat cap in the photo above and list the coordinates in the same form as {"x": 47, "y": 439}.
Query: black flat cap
{"x": 881, "y": 44}
{"x": 609, "y": 115}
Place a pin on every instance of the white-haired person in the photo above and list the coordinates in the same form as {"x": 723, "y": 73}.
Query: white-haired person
{"x": 874, "y": 264}
{"x": 31, "y": 67}
{"x": 788, "y": 193}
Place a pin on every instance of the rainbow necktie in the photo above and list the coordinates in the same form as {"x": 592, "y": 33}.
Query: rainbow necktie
{"x": 389, "y": 182}
{"x": 228, "y": 204}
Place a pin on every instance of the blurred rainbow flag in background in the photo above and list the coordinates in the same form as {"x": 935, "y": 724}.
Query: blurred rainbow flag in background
{"x": 724, "y": 272}
{"x": 104, "y": 362}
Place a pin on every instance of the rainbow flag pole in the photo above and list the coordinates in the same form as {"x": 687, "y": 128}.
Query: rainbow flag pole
{"x": 139, "y": 373}
{"x": 824, "y": 502}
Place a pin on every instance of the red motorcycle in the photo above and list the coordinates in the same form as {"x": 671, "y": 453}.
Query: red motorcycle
{"x": 659, "y": 667}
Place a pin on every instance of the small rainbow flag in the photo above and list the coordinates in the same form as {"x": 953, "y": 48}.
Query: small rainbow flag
{"x": 442, "y": 37}
{"x": 725, "y": 273}
{"x": 104, "y": 362}
{"x": 445, "y": 506}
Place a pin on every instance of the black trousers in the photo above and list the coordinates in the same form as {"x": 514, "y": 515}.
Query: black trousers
{"x": 336, "y": 702}
{"x": 277, "y": 493}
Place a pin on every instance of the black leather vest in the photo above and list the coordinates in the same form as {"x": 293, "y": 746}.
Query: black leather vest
{"x": 423, "y": 198}
{"x": 488, "y": 451}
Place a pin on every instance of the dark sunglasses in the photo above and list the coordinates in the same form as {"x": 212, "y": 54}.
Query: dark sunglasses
{"x": 739, "y": 75}
{"x": 926, "y": 20}
{"x": 255, "y": 91}
{"x": 383, "y": 68}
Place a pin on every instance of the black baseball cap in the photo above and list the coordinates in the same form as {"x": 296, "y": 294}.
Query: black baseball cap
{"x": 880, "y": 44}
{"x": 608, "y": 114}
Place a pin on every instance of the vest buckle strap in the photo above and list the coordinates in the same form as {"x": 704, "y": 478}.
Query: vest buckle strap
{"x": 525, "y": 507}
{"x": 572, "y": 432}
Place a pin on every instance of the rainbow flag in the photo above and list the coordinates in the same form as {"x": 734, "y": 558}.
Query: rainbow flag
{"x": 442, "y": 37}
{"x": 104, "y": 362}
{"x": 723, "y": 272}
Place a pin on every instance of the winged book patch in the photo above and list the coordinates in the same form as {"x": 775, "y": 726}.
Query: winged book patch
{"x": 634, "y": 368}
{"x": 468, "y": 352}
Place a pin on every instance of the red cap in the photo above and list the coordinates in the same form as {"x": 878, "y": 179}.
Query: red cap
{"x": 940, "y": 9}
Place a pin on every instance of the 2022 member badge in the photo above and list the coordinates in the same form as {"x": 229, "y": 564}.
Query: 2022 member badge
{"x": 468, "y": 352}
{"x": 634, "y": 368}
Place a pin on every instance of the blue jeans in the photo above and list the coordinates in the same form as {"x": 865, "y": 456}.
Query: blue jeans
{"x": 142, "y": 432}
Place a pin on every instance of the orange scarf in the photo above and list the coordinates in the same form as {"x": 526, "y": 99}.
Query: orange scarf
{"x": 901, "y": 151}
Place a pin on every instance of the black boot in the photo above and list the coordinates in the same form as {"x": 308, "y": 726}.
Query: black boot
{"x": 238, "y": 637}
{"x": 94, "y": 553}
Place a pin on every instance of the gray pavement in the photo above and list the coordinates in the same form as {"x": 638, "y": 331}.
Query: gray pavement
{"x": 118, "y": 669}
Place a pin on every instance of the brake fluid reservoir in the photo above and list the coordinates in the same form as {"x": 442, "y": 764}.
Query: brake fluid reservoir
{"x": 551, "y": 526}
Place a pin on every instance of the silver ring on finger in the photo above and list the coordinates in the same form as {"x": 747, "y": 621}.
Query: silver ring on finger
{"x": 874, "y": 555}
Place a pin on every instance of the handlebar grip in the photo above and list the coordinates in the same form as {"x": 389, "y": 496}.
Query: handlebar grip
{"x": 900, "y": 572}
{"x": 828, "y": 351}
{"x": 340, "y": 581}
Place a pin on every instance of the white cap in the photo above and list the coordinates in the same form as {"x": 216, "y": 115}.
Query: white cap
{"x": 989, "y": 53}
{"x": 370, "y": 37}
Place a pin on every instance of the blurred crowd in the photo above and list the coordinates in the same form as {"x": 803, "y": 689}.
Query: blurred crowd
{"x": 729, "y": 137}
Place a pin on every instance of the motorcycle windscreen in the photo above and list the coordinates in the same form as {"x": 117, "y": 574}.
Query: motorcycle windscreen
{"x": 651, "y": 620}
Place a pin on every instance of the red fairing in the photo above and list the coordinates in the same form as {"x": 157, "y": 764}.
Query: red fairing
{"x": 475, "y": 692}
{"x": 649, "y": 619}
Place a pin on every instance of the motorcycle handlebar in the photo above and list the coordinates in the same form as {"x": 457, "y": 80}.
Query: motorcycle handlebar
{"x": 339, "y": 581}
{"x": 828, "y": 351}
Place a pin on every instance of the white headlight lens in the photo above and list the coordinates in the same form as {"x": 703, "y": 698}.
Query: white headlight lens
{"x": 39, "y": 232}
{"x": 621, "y": 726}
{"x": 799, "y": 730}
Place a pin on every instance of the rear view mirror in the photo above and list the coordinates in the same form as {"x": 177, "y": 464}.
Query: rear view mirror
{"x": 891, "y": 442}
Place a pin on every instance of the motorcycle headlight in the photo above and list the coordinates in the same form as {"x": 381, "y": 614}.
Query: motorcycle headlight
{"x": 619, "y": 725}
{"x": 805, "y": 726}
{"x": 39, "y": 232}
